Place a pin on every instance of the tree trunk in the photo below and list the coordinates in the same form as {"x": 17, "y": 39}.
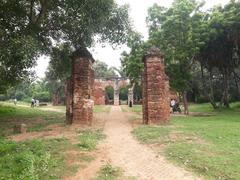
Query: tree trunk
{"x": 225, "y": 98}
{"x": 236, "y": 79}
{"x": 209, "y": 96}
{"x": 185, "y": 102}
{"x": 65, "y": 94}
{"x": 56, "y": 98}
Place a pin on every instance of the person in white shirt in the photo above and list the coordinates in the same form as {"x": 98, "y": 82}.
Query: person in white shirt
{"x": 172, "y": 103}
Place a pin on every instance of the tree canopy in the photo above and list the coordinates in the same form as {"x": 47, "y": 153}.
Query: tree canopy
{"x": 31, "y": 28}
{"x": 194, "y": 42}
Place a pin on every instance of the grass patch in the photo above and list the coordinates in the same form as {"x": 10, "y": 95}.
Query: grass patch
{"x": 108, "y": 172}
{"x": 36, "y": 159}
{"x": 89, "y": 139}
{"x": 134, "y": 108}
{"x": 209, "y": 146}
{"x": 101, "y": 109}
{"x": 150, "y": 134}
{"x": 35, "y": 119}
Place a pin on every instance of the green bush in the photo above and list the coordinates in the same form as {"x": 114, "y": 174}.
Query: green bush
{"x": 20, "y": 95}
{"x": 3, "y": 97}
{"x": 42, "y": 96}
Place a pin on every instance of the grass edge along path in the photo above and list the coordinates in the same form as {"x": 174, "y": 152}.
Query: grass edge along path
{"x": 206, "y": 145}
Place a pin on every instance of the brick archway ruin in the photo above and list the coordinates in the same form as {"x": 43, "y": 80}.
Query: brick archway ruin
{"x": 83, "y": 89}
{"x": 99, "y": 86}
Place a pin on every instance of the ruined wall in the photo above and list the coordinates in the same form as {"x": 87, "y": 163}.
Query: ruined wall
{"x": 98, "y": 93}
{"x": 130, "y": 96}
{"x": 155, "y": 84}
{"x": 99, "y": 90}
{"x": 79, "y": 103}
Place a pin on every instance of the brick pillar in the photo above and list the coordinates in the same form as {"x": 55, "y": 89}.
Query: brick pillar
{"x": 155, "y": 84}
{"x": 130, "y": 95}
{"x": 116, "y": 93}
{"x": 79, "y": 102}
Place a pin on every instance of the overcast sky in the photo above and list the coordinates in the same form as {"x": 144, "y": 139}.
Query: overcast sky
{"x": 138, "y": 13}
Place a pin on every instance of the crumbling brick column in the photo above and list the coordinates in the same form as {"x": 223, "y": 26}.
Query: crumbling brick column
{"x": 79, "y": 102}
{"x": 130, "y": 96}
{"x": 155, "y": 84}
{"x": 116, "y": 93}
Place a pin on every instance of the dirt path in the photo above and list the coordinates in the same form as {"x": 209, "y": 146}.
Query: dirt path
{"x": 135, "y": 159}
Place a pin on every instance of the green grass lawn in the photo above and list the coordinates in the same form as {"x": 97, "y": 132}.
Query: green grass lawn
{"x": 41, "y": 158}
{"x": 34, "y": 118}
{"x": 207, "y": 145}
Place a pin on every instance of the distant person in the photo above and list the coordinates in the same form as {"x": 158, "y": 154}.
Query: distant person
{"x": 175, "y": 106}
{"x": 15, "y": 101}
{"x": 32, "y": 102}
{"x": 130, "y": 104}
{"x": 172, "y": 103}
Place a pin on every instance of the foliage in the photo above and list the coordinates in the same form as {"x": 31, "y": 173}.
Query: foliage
{"x": 27, "y": 90}
{"x": 123, "y": 94}
{"x": 132, "y": 62}
{"x": 201, "y": 49}
{"x": 58, "y": 72}
{"x": 109, "y": 92}
{"x": 221, "y": 52}
{"x": 101, "y": 70}
{"x": 29, "y": 28}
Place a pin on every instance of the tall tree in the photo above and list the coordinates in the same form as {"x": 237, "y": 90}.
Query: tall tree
{"x": 131, "y": 62}
{"x": 101, "y": 70}
{"x": 27, "y": 28}
{"x": 222, "y": 47}
{"x": 176, "y": 31}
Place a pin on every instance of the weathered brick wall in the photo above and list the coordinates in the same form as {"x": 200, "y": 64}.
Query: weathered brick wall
{"x": 79, "y": 103}
{"x": 155, "y": 84}
{"x": 99, "y": 93}
{"x": 99, "y": 90}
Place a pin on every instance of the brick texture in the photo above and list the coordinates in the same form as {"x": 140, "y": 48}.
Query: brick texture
{"x": 79, "y": 90}
{"x": 155, "y": 84}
